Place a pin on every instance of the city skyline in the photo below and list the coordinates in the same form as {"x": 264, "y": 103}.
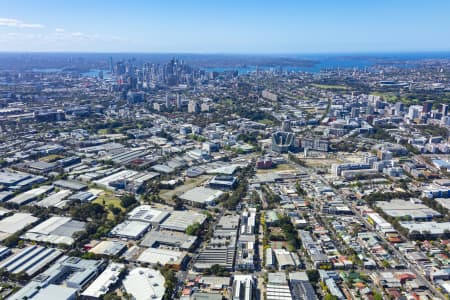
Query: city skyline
{"x": 253, "y": 27}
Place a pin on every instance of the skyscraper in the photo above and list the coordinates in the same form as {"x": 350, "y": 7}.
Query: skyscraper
{"x": 179, "y": 104}
{"x": 427, "y": 107}
{"x": 167, "y": 101}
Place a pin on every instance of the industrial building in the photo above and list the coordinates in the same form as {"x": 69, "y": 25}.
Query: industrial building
{"x": 57, "y": 199}
{"x": 270, "y": 261}
{"x": 70, "y": 184}
{"x": 173, "y": 239}
{"x": 30, "y": 260}
{"x": 170, "y": 258}
{"x": 301, "y": 287}
{"x": 130, "y": 229}
{"x": 286, "y": 259}
{"x": 221, "y": 250}
{"x": 144, "y": 283}
{"x": 201, "y": 197}
{"x": 15, "y": 223}
{"x": 180, "y": 220}
{"x": 74, "y": 271}
{"x": 128, "y": 180}
{"x": 104, "y": 281}
{"x": 31, "y": 195}
{"x": 398, "y": 208}
{"x": 277, "y": 287}
{"x": 427, "y": 229}
{"x": 18, "y": 181}
{"x": 55, "y": 230}
{"x": 111, "y": 248}
{"x": 148, "y": 214}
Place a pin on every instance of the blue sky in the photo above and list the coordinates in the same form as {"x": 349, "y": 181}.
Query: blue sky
{"x": 228, "y": 26}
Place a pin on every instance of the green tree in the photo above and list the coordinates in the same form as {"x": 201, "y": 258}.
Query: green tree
{"x": 330, "y": 297}
{"x": 127, "y": 200}
{"x": 193, "y": 229}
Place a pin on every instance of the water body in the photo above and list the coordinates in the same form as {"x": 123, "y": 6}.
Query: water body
{"x": 358, "y": 61}
{"x": 344, "y": 61}
{"x": 90, "y": 73}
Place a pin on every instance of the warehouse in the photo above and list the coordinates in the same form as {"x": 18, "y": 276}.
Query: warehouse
{"x": 54, "y": 291}
{"x": 40, "y": 167}
{"x": 55, "y": 230}
{"x": 74, "y": 271}
{"x": 9, "y": 178}
{"x": 201, "y": 196}
{"x": 170, "y": 258}
{"x": 104, "y": 281}
{"x": 18, "y": 181}
{"x": 5, "y": 195}
{"x": 427, "y": 229}
{"x": 145, "y": 283}
{"x": 4, "y": 252}
{"x": 301, "y": 288}
{"x": 277, "y": 287}
{"x": 111, "y": 248}
{"x": 56, "y": 200}
{"x": 220, "y": 251}
{"x": 126, "y": 156}
{"x": 169, "y": 238}
{"x": 70, "y": 184}
{"x": 83, "y": 197}
{"x": 130, "y": 229}
{"x": 286, "y": 259}
{"x": 123, "y": 175}
{"x": 30, "y": 260}
{"x": 126, "y": 179}
{"x": 180, "y": 220}
{"x": 414, "y": 208}
{"x": 15, "y": 223}
{"x": 148, "y": 214}
{"x": 31, "y": 195}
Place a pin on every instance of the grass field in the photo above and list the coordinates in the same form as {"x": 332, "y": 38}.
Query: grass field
{"x": 107, "y": 198}
{"x": 103, "y": 131}
{"x": 330, "y": 86}
{"x": 51, "y": 158}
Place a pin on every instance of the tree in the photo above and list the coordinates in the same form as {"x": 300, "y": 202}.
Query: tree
{"x": 377, "y": 296}
{"x": 111, "y": 296}
{"x": 127, "y": 200}
{"x": 87, "y": 211}
{"x": 330, "y": 297}
{"x": 178, "y": 203}
{"x": 218, "y": 270}
{"x": 193, "y": 229}
{"x": 313, "y": 275}
{"x": 170, "y": 282}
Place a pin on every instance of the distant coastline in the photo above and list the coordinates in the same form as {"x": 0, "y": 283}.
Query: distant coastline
{"x": 243, "y": 63}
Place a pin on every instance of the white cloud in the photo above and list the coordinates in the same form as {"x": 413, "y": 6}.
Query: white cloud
{"x": 59, "y": 30}
{"x": 18, "y": 24}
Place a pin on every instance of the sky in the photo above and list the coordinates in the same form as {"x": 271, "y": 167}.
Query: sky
{"x": 225, "y": 26}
